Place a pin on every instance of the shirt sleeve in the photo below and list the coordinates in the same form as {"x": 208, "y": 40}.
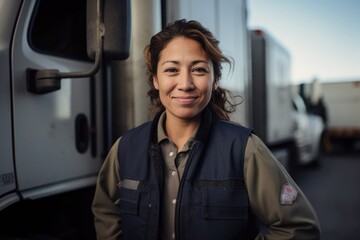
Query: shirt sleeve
{"x": 105, "y": 204}
{"x": 265, "y": 180}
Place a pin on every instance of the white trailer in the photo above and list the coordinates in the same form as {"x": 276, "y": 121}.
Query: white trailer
{"x": 270, "y": 95}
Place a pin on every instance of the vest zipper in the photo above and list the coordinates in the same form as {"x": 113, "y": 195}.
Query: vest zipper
{"x": 148, "y": 220}
{"x": 158, "y": 174}
{"x": 179, "y": 196}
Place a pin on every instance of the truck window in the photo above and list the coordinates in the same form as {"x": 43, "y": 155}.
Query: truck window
{"x": 58, "y": 28}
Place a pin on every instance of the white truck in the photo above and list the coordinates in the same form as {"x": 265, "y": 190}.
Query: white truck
{"x": 270, "y": 95}
{"x": 54, "y": 111}
{"x": 67, "y": 92}
{"x": 342, "y": 101}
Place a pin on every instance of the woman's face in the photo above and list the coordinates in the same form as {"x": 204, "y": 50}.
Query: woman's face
{"x": 184, "y": 78}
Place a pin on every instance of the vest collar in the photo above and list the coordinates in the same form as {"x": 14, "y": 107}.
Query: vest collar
{"x": 201, "y": 135}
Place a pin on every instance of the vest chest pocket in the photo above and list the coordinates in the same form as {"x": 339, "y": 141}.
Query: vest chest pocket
{"x": 222, "y": 214}
{"x": 224, "y": 204}
{"x": 129, "y": 201}
{"x": 135, "y": 212}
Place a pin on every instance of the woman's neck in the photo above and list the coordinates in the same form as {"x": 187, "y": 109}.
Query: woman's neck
{"x": 180, "y": 130}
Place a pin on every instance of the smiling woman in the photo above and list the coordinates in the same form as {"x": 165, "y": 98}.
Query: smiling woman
{"x": 184, "y": 79}
{"x": 209, "y": 55}
{"x": 191, "y": 162}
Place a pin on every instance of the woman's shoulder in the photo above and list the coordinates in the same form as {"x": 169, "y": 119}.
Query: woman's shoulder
{"x": 253, "y": 142}
{"x": 138, "y": 129}
{"x": 231, "y": 126}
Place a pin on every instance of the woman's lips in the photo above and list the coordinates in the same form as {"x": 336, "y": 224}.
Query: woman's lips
{"x": 186, "y": 99}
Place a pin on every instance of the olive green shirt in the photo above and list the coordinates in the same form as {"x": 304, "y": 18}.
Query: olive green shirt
{"x": 265, "y": 179}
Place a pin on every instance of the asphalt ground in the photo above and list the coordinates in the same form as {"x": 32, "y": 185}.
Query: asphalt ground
{"x": 334, "y": 191}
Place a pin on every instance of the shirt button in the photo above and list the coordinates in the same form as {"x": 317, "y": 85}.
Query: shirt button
{"x": 171, "y": 154}
{"x": 173, "y": 201}
{"x": 173, "y": 173}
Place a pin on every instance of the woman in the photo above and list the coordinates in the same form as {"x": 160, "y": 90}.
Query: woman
{"x": 190, "y": 173}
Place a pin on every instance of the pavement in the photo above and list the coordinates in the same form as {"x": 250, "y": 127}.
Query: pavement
{"x": 333, "y": 189}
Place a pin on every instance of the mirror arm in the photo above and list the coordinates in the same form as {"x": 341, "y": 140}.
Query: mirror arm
{"x": 49, "y": 80}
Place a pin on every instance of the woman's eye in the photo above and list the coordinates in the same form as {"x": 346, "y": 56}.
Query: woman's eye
{"x": 200, "y": 70}
{"x": 171, "y": 70}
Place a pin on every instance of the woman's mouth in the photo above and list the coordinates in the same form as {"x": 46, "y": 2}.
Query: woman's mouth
{"x": 186, "y": 99}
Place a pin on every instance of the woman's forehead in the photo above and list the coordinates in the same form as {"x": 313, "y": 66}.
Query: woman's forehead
{"x": 183, "y": 48}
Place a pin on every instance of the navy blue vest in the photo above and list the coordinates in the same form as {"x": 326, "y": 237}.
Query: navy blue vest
{"x": 212, "y": 202}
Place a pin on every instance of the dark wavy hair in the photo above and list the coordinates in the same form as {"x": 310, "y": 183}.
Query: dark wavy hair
{"x": 222, "y": 102}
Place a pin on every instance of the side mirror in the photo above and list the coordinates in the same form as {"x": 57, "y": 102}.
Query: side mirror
{"x": 116, "y": 20}
{"x": 108, "y": 36}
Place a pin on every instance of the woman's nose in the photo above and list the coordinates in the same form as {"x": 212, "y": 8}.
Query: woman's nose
{"x": 185, "y": 81}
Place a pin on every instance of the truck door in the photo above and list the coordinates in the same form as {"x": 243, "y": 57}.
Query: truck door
{"x": 56, "y": 143}
{"x": 8, "y": 13}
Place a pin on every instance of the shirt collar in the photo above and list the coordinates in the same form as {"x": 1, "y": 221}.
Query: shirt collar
{"x": 160, "y": 127}
{"x": 162, "y": 135}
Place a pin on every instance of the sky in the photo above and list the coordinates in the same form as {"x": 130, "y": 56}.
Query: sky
{"x": 322, "y": 36}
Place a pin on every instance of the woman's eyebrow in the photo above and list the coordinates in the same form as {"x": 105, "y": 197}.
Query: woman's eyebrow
{"x": 199, "y": 61}
{"x": 171, "y": 61}
{"x": 193, "y": 62}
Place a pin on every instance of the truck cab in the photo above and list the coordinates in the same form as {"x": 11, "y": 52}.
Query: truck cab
{"x": 50, "y": 142}
{"x": 54, "y": 128}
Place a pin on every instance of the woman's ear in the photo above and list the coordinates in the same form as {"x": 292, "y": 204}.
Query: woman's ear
{"x": 155, "y": 82}
{"x": 215, "y": 85}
